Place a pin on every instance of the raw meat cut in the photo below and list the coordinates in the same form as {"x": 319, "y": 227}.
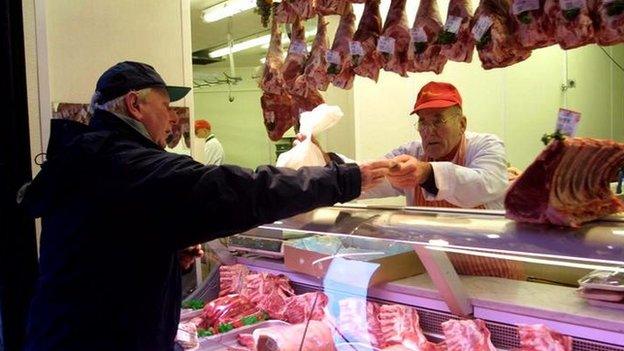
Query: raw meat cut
{"x": 573, "y": 24}
{"x": 608, "y": 17}
{"x": 272, "y": 80}
{"x": 456, "y": 39}
{"x": 410, "y": 343}
{"x": 340, "y": 67}
{"x": 298, "y": 308}
{"x": 333, "y": 7}
{"x": 492, "y": 30}
{"x": 231, "y": 278}
{"x": 284, "y": 12}
{"x": 279, "y": 112}
{"x": 246, "y": 340}
{"x": 424, "y": 52}
{"x": 288, "y": 11}
{"x": 358, "y": 321}
{"x": 568, "y": 183}
{"x": 269, "y": 292}
{"x": 467, "y": 335}
{"x": 397, "y": 322}
{"x": 228, "y": 309}
{"x": 533, "y": 26}
{"x": 486, "y": 266}
{"x": 538, "y": 337}
{"x": 318, "y": 337}
{"x": 393, "y": 44}
{"x": 314, "y": 76}
{"x": 364, "y": 43}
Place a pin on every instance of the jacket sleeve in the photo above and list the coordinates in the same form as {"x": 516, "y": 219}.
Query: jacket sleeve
{"x": 216, "y": 201}
{"x": 484, "y": 179}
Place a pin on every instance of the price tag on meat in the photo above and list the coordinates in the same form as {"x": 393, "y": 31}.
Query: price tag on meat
{"x": 356, "y": 49}
{"x": 333, "y": 57}
{"x": 452, "y": 24}
{"x": 298, "y": 47}
{"x": 385, "y": 44}
{"x": 571, "y": 4}
{"x": 419, "y": 35}
{"x": 520, "y": 6}
{"x": 483, "y": 24}
{"x": 567, "y": 122}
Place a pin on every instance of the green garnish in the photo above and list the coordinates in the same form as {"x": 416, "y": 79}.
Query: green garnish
{"x": 249, "y": 320}
{"x": 615, "y": 8}
{"x": 547, "y": 138}
{"x": 202, "y": 333}
{"x": 571, "y": 14}
{"x": 420, "y": 47}
{"x": 485, "y": 39}
{"x": 446, "y": 37}
{"x": 193, "y": 304}
{"x": 525, "y": 17}
{"x": 225, "y": 327}
{"x": 333, "y": 69}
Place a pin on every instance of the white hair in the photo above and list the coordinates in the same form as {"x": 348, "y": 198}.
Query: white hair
{"x": 116, "y": 105}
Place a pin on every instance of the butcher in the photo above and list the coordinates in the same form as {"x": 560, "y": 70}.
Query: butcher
{"x": 117, "y": 209}
{"x": 448, "y": 167}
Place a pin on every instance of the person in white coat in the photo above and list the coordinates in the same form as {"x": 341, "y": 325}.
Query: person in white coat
{"x": 213, "y": 150}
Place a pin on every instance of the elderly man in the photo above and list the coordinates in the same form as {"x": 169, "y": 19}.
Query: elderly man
{"x": 111, "y": 200}
{"x": 213, "y": 150}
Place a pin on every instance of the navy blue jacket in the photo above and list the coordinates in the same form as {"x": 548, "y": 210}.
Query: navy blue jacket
{"x": 115, "y": 210}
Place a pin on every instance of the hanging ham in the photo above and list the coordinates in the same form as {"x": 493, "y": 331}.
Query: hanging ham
{"x": 314, "y": 75}
{"x": 333, "y": 7}
{"x": 285, "y": 12}
{"x": 573, "y": 24}
{"x": 340, "y": 68}
{"x": 534, "y": 28}
{"x": 288, "y": 11}
{"x": 393, "y": 44}
{"x": 424, "y": 52}
{"x": 495, "y": 41}
{"x": 609, "y": 21}
{"x": 456, "y": 39}
{"x": 364, "y": 43}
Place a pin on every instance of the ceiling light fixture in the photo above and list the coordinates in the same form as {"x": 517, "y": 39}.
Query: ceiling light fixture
{"x": 248, "y": 44}
{"x": 225, "y": 9}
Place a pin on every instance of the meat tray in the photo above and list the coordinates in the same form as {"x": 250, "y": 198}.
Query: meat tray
{"x": 223, "y": 341}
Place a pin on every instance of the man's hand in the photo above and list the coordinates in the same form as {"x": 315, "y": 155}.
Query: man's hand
{"x": 188, "y": 256}
{"x": 374, "y": 172}
{"x": 300, "y": 137}
{"x": 408, "y": 172}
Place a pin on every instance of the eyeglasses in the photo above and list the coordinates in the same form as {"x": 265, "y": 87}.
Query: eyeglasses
{"x": 437, "y": 124}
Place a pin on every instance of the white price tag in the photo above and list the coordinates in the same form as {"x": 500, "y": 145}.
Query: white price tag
{"x": 355, "y": 47}
{"x": 452, "y": 24}
{"x": 571, "y": 4}
{"x": 483, "y": 24}
{"x": 183, "y": 336}
{"x": 298, "y": 47}
{"x": 520, "y": 6}
{"x": 333, "y": 57}
{"x": 385, "y": 44}
{"x": 418, "y": 35}
{"x": 567, "y": 121}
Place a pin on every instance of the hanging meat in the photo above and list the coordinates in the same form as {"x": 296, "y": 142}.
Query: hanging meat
{"x": 456, "y": 39}
{"x": 608, "y": 21}
{"x": 314, "y": 75}
{"x": 494, "y": 37}
{"x": 278, "y": 108}
{"x": 340, "y": 67}
{"x": 288, "y": 11}
{"x": 333, "y": 7}
{"x": 285, "y": 12}
{"x": 393, "y": 44}
{"x": 534, "y": 28}
{"x": 568, "y": 183}
{"x": 364, "y": 43}
{"x": 424, "y": 53}
{"x": 572, "y": 21}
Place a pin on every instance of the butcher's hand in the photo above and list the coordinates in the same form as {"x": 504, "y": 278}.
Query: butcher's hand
{"x": 188, "y": 256}
{"x": 408, "y": 172}
{"x": 374, "y": 172}
{"x": 300, "y": 137}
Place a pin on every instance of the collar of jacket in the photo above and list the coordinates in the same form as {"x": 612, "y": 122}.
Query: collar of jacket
{"x": 104, "y": 120}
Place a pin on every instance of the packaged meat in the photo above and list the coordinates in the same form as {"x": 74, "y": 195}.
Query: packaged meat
{"x": 312, "y": 336}
{"x": 358, "y": 321}
{"x": 268, "y": 292}
{"x": 608, "y": 21}
{"x": 314, "y": 75}
{"x": 393, "y": 44}
{"x": 604, "y": 280}
{"x": 340, "y": 67}
{"x": 186, "y": 336}
{"x": 456, "y": 39}
{"x": 602, "y": 295}
{"x": 467, "y": 335}
{"x": 492, "y": 30}
{"x": 572, "y": 21}
{"x": 333, "y": 7}
{"x": 364, "y": 43}
{"x": 398, "y": 322}
{"x": 538, "y": 337}
{"x": 298, "y": 308}
{"x": 568, "y": 183}
{"x": 424, "y": 52}
{"x": 534, "y": 28}
{"x": 232, "y": 278}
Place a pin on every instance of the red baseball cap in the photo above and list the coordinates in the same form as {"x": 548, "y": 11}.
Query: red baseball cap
{"x": 202, "y": 124}
{"x": 437, "y": 95}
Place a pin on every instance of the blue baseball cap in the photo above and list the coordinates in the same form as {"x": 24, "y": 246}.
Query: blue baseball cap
{"x": 127, "y": 76}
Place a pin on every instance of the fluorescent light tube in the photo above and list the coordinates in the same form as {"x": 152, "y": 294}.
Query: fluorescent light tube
{"x": 225, "y": 9}
{"x": 241, "y": 46}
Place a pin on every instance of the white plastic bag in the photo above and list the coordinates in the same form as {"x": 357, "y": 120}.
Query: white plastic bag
{"x": 306, "y": 153}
